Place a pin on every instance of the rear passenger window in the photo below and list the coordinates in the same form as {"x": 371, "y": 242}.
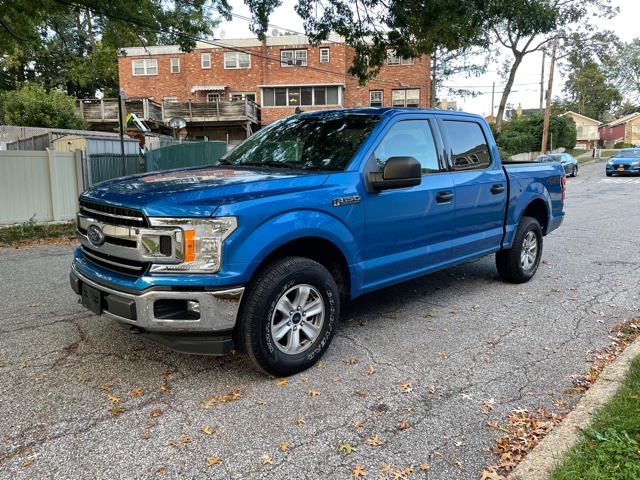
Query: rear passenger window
{"x": 409, "y": 138}
{"x": 469, "y": 149}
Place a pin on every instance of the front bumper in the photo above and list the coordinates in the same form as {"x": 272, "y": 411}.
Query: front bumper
{"x": 623, "y": 169}
{"x": 161, "y": 314}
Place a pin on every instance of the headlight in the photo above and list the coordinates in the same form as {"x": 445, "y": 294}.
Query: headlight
{"x": 199, "y": 245}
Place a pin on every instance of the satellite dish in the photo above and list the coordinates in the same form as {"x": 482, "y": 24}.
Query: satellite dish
{"x": 177, "y": 123}
{"x": 275, "y": 32}
{"x": 223, "y": 34}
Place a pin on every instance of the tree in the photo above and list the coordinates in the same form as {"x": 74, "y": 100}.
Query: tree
{"x": 527, "y": 27}
{"x": 590, "y": 92}
{"x": 73, "y": 45}
{"x": 627, "y": 70}
{"x": 33, "y": 106}
{"x": 524, "y": 134}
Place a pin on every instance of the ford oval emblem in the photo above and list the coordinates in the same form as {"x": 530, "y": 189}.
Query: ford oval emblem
{"x": 95, "y": 235}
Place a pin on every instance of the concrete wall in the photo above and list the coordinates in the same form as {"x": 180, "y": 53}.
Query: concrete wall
{"x": 39, "y": 185}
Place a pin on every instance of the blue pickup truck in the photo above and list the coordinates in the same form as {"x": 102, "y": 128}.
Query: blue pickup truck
{"x": 260, "y": 250}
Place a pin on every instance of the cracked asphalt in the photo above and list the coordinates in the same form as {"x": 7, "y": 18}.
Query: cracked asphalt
{"x": 82, "y": 398}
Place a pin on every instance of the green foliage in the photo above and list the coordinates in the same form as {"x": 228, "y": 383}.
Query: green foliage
{"x": 623, "y": 145}
{"x": 73, "y": 46}
{"x": 524, "y": 134}
{"x": 611, "y": 445}
{"x": 32, "y": 231}
{"x": 627, "y": 70}
{"x": 33, "y": 106}
{"x": 589, "y": 91}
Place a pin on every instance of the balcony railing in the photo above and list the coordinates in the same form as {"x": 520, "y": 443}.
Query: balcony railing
{"x": 160, "y": 113}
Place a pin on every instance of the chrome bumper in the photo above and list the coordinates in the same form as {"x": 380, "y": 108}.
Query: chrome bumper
{"x": 218, "y": 309}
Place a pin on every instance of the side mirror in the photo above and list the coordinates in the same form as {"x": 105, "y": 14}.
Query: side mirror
{"x": 398, "y": 172}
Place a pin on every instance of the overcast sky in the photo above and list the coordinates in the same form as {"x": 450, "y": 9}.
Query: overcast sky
{"x": 526, "y": 89}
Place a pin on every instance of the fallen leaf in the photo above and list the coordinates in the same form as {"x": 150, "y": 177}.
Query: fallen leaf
{"x": 24, "y": 365}
{"x": 106, "y": 388}
{"x": 361, "y": 393}
{"x": 335, "y": 379}
{"x": 406, "y": 387}
{"x": 166, "y": 373}
{"x": 403, "y": 425}
{"x": 457, "y": 463}
{"x": 425, "y": 466}
{"x": 371, "y": 370}
{"x": 231, "y": 396}
{"x": 185, "y": 439}
{"x": 208, "y": 430}
{"x": 145, "y": 436}
{"x": 345, "y": 447}
{"x": 261, "y": 402}
{"x": 156, "y": 412}
{"x": 305, "y": 379}
{"x": 443, "y": 356}
{"x": 117, "y": 410}
{"x": 350, "y": 361}
{"x": 164, "y": 388}
{"x": 266, "y": 459}
{"x": 299, "y": 421}
{"x": 174, "y": 445}
{"x": 321, "y": 364}
{"x": 313, "y": 393}
{"x": 137, "y": 392}
{"x": 113, "y": 399}
{"x": 284, "y": 446}
{"x": 358, "y": 424}
{"x": 358, "y": 471}
{"x": 27, "y": 463}
{"x": 375, "y": 441}
{"x": 282, "y": 382}
{"x": 160, "y": 470}
{"x": 211, "y": 461}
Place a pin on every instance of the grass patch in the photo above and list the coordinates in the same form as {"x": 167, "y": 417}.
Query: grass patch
{"x": 610, "y": 448}
{"x": 32, "y": 232}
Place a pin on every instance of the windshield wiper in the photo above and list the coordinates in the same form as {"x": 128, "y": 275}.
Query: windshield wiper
{"x": 273, "y": 163}
{"x": 224, "y": 161}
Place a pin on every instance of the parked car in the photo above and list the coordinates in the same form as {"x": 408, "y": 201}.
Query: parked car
{"x": 625, "y": 162}
{"x": 569, "y": 163}
{"x": 261, "y": 249}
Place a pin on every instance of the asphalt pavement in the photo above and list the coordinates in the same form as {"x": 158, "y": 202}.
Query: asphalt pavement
{"x": 408, "y": 386}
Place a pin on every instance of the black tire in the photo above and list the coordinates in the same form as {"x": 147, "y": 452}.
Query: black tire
{"x": 575, "y": 171}
{"x": 290, "y": 283}
{"x": 609, "y": 174}
{"x": 519, "y": 263}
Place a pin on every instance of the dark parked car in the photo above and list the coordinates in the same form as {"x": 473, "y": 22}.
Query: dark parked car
{"x": 569, "y": 163}
{"x": 625, "y": 162}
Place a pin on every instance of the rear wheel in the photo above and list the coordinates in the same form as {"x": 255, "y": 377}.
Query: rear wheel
{"x": 288, "y": 316}
{"x": 575, "y": 171}
{"x": 519, "y": 263}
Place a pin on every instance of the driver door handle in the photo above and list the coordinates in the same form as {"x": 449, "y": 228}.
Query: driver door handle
{"x": 444, "y": 197}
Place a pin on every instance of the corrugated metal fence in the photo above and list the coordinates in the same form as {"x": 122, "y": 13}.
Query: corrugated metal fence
{"x": 189, "y": 154}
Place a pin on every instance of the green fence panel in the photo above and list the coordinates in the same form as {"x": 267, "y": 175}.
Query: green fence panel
{"x": 185, "y": 155}
{"x": 105, "y": 166}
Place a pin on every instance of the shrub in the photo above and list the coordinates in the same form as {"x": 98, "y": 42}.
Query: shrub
{"x": 623, "y": 145}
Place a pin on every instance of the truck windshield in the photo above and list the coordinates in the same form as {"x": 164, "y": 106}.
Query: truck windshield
{"x": 305, "y": 143}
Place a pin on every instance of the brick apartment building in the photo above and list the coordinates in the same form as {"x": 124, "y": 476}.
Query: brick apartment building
{"x": 278, "y": 74}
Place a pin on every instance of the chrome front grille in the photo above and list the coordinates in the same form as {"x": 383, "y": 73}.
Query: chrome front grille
{"x": 126, "y": 217}
{"x": 124, "y": 243}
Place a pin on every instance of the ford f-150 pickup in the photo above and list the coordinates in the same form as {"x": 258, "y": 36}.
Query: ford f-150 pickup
{"x": 260, "y": 250}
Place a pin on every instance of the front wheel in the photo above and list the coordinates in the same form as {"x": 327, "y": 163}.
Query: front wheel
{"x": 519, "y": 263}
{"x": 288, "y": 316}
{"x": 609, "y": 174}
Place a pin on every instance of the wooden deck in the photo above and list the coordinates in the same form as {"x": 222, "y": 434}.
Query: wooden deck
{"x": 160, "y": 113}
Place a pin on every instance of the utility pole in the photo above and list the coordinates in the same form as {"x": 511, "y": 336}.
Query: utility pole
{"x": 542, "y": 82}
{"x": 493, "y": 92}
{"x": 547, "y": 113}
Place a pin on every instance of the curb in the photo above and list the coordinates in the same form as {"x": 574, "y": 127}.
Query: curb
{"x": 549, "y": 452}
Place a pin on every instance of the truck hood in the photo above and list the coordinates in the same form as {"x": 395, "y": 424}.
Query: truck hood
{"x": 198, "y": 192}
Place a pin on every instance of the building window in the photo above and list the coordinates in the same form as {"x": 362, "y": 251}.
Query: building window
{"x": 405, "y": 98}
{"x": 205, "y": 60}
{"x": 234, "y": 60}
{"x": 375, "y": 98}
{"x": 243, "y": 96}
{"x": 147, "y": 66}
{"x": 213, "y": 97}
{"x": 290, "y": 58}
{"x": 324, "y": 55}
{"x": 300, "y": 96}
{"x": 175, "y": 65}
{"x": 393, "y": 59}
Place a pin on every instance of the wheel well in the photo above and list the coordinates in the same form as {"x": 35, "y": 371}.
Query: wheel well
{"x": 319, "y": 250}
{"x": 538, "y": 210}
